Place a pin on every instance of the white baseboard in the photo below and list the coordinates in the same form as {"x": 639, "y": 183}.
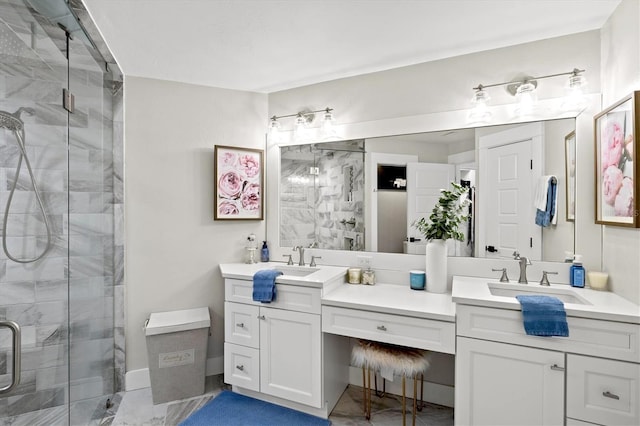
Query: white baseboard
{"x": 138, "y": 379}
{"x": 433, "y": 392}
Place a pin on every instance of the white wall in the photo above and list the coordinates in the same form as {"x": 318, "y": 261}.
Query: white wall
{"x": 173, "y": 245}
{"x": 446, "y": 85}
{"x": 620, "y": 76}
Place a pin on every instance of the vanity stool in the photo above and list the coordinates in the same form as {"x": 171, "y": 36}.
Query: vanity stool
{"x": 402, "y": 361}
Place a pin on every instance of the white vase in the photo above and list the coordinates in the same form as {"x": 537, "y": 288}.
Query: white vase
{"x": 436, "y": 265}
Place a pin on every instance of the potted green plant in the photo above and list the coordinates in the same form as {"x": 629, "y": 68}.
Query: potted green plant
{"x": 443, "y": 224}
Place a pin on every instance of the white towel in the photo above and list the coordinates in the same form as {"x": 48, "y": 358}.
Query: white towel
{"x": 541, "y": 190}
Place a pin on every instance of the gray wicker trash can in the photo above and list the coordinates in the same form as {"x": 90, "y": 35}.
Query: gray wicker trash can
{"x": 177, "y": 353}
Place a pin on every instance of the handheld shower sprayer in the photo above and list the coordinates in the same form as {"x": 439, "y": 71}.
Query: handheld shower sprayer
{"x": 14, "y": 123}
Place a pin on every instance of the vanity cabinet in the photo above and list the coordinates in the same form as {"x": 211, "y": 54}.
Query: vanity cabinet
{"x": 505, "y": 377}
{"x": 274, "y": 348}
{"x": 497, "y": 383}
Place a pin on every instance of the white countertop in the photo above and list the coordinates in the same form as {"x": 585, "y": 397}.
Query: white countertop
{"x": 602, "y": 304}
{"x": 318, "y": 278}
{"x": 393, "y": 299}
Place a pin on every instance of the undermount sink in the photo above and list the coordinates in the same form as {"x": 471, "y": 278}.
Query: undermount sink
{"x": 296, "y": 271}
{"x": 513, "y": 290}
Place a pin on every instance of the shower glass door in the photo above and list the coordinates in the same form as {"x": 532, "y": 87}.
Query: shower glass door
{"x": 90, "y": 234}
{"x": 62, "y": 302}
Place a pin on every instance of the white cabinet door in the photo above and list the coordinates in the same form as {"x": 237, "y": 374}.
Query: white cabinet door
{"x": 241, "y": 324}
{"x": 501, "y": 384}
{"x": 603, "y": 391}
{"x": 290, "y": 355}
{"x": 242, "y": 366}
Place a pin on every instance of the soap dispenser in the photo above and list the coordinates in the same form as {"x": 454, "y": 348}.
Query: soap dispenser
{"x": 576, "y": 272}
{"x": 264, "y": 252}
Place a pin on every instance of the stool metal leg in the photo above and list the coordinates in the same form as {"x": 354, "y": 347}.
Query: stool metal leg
{"x": 415, "y": 398}
{"x": 368, "y": 413}
{"x": 421, "y": 405}
{"x": 364, "y": 391}
{"x": 404, "y": 405}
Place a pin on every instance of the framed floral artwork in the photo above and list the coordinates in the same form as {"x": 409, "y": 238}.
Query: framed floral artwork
{"x": 570, "y": 174}
{"x": 616, "y": 173}
{"x": 239, "y": 174}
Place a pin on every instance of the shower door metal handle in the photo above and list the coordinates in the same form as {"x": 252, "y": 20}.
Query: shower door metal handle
{"x": 15, "y": 373}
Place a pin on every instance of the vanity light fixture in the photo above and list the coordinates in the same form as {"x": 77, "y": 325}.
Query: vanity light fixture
{"x": 525, "y": 92}
{"x": 302, "y": 123}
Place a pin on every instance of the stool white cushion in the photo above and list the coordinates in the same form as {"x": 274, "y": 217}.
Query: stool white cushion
{"x": 378, "y": 356}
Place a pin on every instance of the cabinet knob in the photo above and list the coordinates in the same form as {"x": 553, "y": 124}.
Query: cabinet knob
{"x": 610, "y": 395}
{"x": 262, "y": 317}
{"x": 382, "y": 328}
{"x": 241, "y": 325}
{"x": 556, "y": 367}
{"x": 240, "y": 367}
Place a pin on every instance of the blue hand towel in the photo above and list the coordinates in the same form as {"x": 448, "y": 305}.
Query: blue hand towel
{"x": 264, "y": 285}
{"x": 545, "y": 217}
{"x": 543, "y": 315}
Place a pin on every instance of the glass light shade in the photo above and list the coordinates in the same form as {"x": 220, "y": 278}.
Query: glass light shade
{"x": 527, "y": 98}
{"x": 274, "y": 127}
{"x": 300, "y": 128}
{"x": 574, "y": 99}
{"x": 328, "y": 129}
{"x": 479, "y": 109}
{"x": 274, "y": 130}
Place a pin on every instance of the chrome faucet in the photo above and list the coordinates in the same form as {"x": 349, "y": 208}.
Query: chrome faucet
{"x": 301, "y": 251}
{"x": 524, "y": 262}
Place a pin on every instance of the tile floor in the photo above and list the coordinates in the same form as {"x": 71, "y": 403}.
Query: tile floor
{"x": 136, "y": 408}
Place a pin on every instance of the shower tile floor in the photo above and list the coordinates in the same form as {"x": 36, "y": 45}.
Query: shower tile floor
{"x": 136, "y": 408}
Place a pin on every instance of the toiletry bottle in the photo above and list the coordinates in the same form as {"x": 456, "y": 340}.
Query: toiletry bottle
{"x": 576, "y": 272}
{"x": 264, "y": 253}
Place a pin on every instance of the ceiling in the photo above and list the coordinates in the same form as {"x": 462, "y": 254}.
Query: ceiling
{"x": 272, "y": 45}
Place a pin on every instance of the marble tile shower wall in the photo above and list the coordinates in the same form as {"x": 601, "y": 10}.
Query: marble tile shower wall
{"x": 339, "y": 200}
{"x": 326, "y": 208}
{"x": 68, "y": 296}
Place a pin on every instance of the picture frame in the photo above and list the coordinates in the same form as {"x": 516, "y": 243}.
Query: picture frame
{"x": 616, "y": 167}
{"x": 239, "y": 183}
{"x": 570, "y": 175}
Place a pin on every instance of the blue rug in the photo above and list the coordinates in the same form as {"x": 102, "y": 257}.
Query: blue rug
{"x": 230, "y": 408}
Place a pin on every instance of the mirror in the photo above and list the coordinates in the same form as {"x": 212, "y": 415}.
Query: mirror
{"x": 359, "y": 195}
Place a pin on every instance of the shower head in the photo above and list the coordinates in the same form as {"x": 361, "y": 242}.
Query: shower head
{"x": 8, "y": 121}
{"x": 12, "y": 121}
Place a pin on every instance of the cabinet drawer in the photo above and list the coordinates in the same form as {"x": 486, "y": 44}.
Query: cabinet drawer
{"x": 290, "y": 297}
{"x": 400, "y": 330}
{"x": 241, "y": 324}
{"x": 242, "y": 366}
{"x": 607, "y": 339}
{"x": 603, "y": 391}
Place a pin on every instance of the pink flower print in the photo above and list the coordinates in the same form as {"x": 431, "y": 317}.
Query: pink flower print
{"x": 628, "y": 144}
{"x": 229, "y": 185}
{"x": 612, "y": 145}
{"x": 624, "y": 200}
{"x": 611, "y": 182}
{"x": 250, "y": 198}
{"x": 227, "y": 209}
{"x": 228, "y": 159}
{"x": 250, "y": 165}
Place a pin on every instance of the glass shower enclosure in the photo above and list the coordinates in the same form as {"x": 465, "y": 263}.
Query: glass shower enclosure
{"x": 61, "y": 279}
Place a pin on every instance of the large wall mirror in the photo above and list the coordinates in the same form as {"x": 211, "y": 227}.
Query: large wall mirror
{"x": 364, "y": 195}
{"x": 353, "y": 195}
